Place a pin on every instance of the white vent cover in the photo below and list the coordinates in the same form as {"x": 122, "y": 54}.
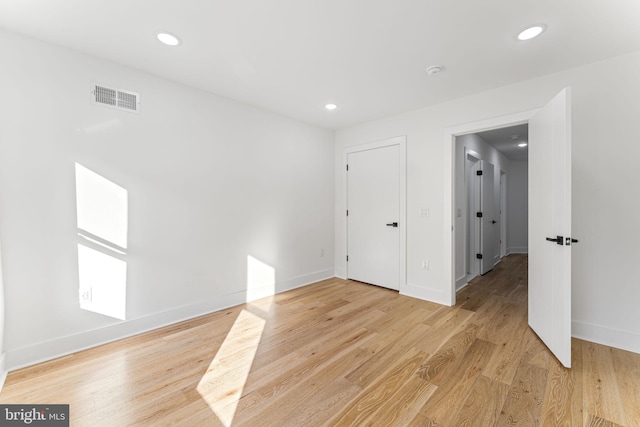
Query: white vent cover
{"x": 115, "y": 98}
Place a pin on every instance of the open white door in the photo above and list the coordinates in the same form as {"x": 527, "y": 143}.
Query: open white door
{"x": 373, "y": 221}
{"x": 550, "y": 225}
{"x": 487, "y": 220}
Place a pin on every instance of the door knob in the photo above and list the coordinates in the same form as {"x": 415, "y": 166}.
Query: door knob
{"x": 558, "y": 239}
{"x": 393, "y": 224}
{"x": 494, "y": 222}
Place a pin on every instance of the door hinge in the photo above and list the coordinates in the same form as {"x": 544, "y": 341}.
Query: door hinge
{"x": 479, "y": 173}
{"x": 479, "y": 214}
{"x": 347, "y": 167}
{"x": 479, "y": 256}
{"x": 347, "y": 212}
{"x": 347, "y": 258}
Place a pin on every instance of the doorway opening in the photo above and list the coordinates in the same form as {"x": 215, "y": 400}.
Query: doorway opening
{"x": 491, "y": 216}
{"x": 494, "y": 216}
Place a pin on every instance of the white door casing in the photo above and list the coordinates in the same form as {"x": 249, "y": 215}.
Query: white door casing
{"x": 450, "y": 172}
{"x": 487, "y": 202}
{"x": 503, "y": 214}
{"x": 549, "y": 217}
{"x": 473, "y": 238}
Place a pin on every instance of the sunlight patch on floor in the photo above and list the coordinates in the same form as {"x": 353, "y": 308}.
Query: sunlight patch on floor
{"x": 222, "y": 385}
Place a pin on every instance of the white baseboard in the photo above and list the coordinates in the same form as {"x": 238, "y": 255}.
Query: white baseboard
{"x": 517, "y": 250}
{"x": 461, "y": 287}
{"x": 43, "y": 351}
{"x": 427, "y": 294}
{"x": 624, "y": 340}
{"x": 461, "y": 282}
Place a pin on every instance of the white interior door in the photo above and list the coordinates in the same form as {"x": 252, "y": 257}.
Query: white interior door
{"x": 550, "y": 219}
{"x": 487, "y": 221}
{"x": 373, "y": 221}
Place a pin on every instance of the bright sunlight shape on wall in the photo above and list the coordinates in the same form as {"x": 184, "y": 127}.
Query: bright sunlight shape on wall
{"x": 104, "y": 277}
{"x": 101, "y": 207}
{"x": 102, "y": 220}
{"x": 261, "y": 279}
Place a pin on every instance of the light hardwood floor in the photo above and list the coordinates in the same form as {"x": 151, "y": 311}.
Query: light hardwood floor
{"x": 342, "y": 353}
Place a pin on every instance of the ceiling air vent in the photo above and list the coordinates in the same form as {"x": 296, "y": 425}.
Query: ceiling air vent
{"x": 115, "y": 98}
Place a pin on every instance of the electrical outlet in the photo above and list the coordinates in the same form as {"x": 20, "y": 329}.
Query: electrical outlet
{"x": 85, "y": 296}
{"x": 425, "y": 265}
{"x": 322, "y": 253}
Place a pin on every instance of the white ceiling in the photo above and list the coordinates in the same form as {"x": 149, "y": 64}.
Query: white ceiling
{"x": 368, "y": 56}
{"x": 506, "y": 141}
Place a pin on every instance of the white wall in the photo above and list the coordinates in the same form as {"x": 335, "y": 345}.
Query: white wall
{"x": 517, "y": 207}
{"x": 210, "y": 182}
{"x": 606, "y": 107}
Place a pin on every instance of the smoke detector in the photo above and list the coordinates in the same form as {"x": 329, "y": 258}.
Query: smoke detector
{"x": 434, "y": 69}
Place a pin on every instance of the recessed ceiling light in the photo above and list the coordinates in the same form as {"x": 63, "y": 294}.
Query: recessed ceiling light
{"x": 331, "y": 107}
{"x": 522, "y": 144}
{"x": 168, "y": 39}
{"x": 434, "y": 69}
{"x": 531, "y": 32}
{"x": 515, "y": 136}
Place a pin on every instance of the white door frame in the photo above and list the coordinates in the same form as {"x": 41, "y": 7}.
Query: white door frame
{"x": 401, "y": 142}
{"x": 449, "y": 232}
{"x": 472, "y": 246}
{"x": 503, "y": 214}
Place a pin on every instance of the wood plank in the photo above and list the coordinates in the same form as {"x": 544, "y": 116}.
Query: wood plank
{"x": 367, "y": 404}
{"x": 523, "y": 406}
{"x": 604, "y": 399}
{"x": 558, "y": 398}
{"x": 577, "y": 369}
{"x": 384, "y": 351}
{"x": 441, "y": 365}
{"x": 404, "y": 405}
{"x": 290, "y": 399}
{"x": 504, "y": 363}
{"x": 482, "y": 406}
{"x": 627, "y": 371}
{"x": 594, "y": 421}
{"x": 452, "y": 322}
{"x": 508, "y": 319}
{"x": 445, "y": 403}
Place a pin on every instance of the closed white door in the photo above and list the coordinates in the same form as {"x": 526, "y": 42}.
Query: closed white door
{"x": 373, "y": 216}
{"x": 487, "y": 220}
{"x": 550, "y": 225}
